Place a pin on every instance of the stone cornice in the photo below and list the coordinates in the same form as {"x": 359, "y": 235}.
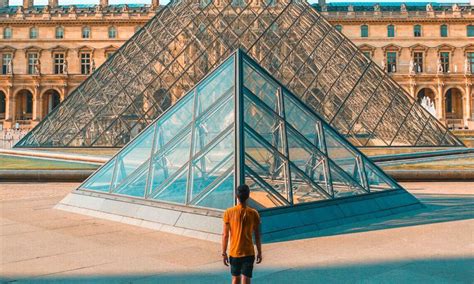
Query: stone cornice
{"x": 74, "y": 22}
{"x": 409, "y": 20}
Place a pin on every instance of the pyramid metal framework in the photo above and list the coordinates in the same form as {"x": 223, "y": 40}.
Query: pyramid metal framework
{"x": 239, "y": 125}
{"x": 187, "y": 38}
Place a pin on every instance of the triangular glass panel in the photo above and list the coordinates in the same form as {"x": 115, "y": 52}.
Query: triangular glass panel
{"x": 102, "y": 179}
{"x": 303, "y": 191}
{"x": 377, "y": 180}
{"x": 174, "y": 190}
{"x": 219, "y": 196}
{"x": 209, "y": 166}
{"x": 227, "y": 131}
{"x": 135, "y": 184}
{"x": 342, "y": 184}
{"x": 176, "y": 49}
{"x": 134, "y": 156}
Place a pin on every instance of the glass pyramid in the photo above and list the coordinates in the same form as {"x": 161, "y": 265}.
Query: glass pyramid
{"x": 239, "y": 125}
{"x": 187, "y": 38}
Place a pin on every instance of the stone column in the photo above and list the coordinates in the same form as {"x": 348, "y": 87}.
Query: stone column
{"x": 466, "y": 105}
{"x": 37, "y": 110}
{"x": 28, "y": 4}
{"x": 10, "y": 113}
{"x": 439, "y": 103}
{"x": 53, "y": 3}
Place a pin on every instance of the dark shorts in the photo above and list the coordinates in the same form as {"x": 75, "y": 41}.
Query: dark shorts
{"x": 242, "y": 265}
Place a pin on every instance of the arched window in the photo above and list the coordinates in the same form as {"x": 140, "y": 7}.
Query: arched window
{"x": 338, "y": 27}
{"x": 33, "y": 33}
{"x": 112, "y": 32}
{"x": 59, "y": 32}
{"x": 364, "y": 31}
{"x": 7, "y": 33}
{"x": 86, "y": 32}
{"x": 443, "y": 30}
{"x": 391, "y": 31}
{"x": 417, "y": 30}
{"x": 470, "y": 31}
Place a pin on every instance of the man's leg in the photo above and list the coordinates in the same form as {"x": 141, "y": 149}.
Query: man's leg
{"x": 246, "y": 280}
{"x": 236, "y": 279}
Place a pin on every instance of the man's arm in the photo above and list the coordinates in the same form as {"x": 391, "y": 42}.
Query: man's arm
{"x": 258, "y": 243}
{"x": 225, "y": 241}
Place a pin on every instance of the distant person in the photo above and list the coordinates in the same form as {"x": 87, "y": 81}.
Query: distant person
{"x": 241, "y": 222}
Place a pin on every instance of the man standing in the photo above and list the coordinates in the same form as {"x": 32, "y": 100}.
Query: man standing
{"x": 241, "y": 221}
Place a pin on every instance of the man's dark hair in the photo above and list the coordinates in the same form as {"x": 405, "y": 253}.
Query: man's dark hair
{"x": 242, "y": 192}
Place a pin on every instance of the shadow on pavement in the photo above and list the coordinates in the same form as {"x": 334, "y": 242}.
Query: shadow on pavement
{"x": 454, "y": 270}
{"x": 438, "y": 208}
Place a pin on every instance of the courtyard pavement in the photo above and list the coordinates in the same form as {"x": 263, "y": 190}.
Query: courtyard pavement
{"x": 430, "y": 245}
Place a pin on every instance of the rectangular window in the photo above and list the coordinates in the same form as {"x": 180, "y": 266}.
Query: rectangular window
{"x": 85, "y": 63}
{"x": 417, "y": 31}
{"x": 391, "y": 62}
{"x": 444, "y": 58}
{"x": 470, "y": 60}
{"x": 32, "y": 63}
{"x": 470, "y": 31}
{"x": 367, "y": 54}
{"x": 6, "y": 63}
{"x": 364, "y": 31}
{"x": 444, "y": 30}
{"x": 391, "y": 31}
{"x": 418, "y": 61}
{"x": 58, "y": 63}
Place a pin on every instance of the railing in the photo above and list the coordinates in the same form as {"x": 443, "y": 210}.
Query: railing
{"x": 454, "y": 123}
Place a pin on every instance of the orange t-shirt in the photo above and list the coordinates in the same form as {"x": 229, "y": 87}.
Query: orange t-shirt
{"x": 243, "y": 221}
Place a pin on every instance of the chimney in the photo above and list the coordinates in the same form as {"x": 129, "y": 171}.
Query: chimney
{"x": 27, "y": 4}
{"x": 156, "y": 3}
{"x": 4, "y": 3}
{"x": 104, "y": 3}
{"x": 53, "y": 3}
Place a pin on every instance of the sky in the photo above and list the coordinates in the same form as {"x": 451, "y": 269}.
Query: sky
{"x": 67, "y": 2}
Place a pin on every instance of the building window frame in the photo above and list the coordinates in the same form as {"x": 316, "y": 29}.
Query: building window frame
{"x": 470, "y": 30}
{"x": 444, "y": 58}
{"x": 391, "y": 61}
{"x": 364, "y": 31}
{"x": 7, "y": 32}
{"x": 470, "y": 60}
{"x": 338, "y": 27}
{"x": 7, "y": 58}
{"x": 417, "y": 31}
{"x": 443, "y": 30}
{"x": 86, "y": 62}
{"x": 59, "y": 59}
{"x": 33, "y": 60}
{"x": 112, "y": 32}
{"x": 391, "y": 30}
{"x": 418, "y": 61}
{"x": 59, "y": 32}
{"x": 86, "y": 32}
{"x": 33, "y": 33}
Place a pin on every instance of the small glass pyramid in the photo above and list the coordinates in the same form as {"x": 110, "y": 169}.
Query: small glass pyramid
{"x": 239, "y": 125}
